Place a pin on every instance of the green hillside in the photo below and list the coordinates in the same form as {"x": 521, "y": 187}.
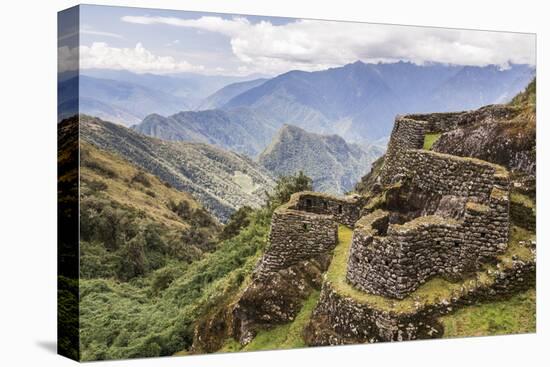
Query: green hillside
{"x": 152, "y": 263}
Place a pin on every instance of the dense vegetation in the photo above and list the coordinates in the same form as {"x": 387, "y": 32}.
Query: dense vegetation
{"x": 152, "y": 265}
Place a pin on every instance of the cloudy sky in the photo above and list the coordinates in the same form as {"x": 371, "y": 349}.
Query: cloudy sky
{"x": 162, "y": 41}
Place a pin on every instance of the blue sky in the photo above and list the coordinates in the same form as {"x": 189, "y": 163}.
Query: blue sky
{"x": 168, "y": 41}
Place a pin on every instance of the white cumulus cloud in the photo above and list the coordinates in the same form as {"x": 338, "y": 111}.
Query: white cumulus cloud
{"x": 314, "y": 45}
{"x": 137, "y": 59}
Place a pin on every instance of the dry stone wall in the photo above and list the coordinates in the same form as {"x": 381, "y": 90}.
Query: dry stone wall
{"x": 446, "y": 121}
{"x": 339, "y": 319}
{"x": 450, "y": 175}
{"x": 305, "y": 227}
{"x": 344, "y": 210}
{"x": 395, "y": 261}
{"x": 406, "y": 134}
{"x": 409, "y": 131}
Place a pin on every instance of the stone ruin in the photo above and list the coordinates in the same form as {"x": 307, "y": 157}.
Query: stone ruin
{"x": 442, "y": 216}
{"x": 453, "y": 217}
{"x": 305, "y": 227}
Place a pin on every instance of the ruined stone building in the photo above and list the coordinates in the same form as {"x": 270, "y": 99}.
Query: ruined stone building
{"x": 433, "y": 215}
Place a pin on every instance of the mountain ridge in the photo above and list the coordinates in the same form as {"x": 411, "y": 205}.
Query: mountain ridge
{"x": 222, "y": 181}
{"x": 333, "y": 164}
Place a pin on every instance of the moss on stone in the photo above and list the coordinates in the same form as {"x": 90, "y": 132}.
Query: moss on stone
{"x": 477, "y": 207}
{"x": 424, "y": 221}
{"x": 500, "y": 171}
{"x": 434, "y": 290}
{"x": 499, "y": 194}
{"x": 430, "y": 139}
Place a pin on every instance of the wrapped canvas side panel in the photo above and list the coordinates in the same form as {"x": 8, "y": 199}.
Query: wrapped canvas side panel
{"x": 68, "y": 186}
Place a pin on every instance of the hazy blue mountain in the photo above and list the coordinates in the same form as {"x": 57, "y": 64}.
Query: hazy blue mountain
{"x": 121, "y": 102}
{"x": 240, "y": 129}
{"x": 333, "y": 164}
{"x": 222, "y": 181}
{"x": 190, "y": 87}
{"x": 359, "y": 101}
{"x": 224, "y": 95}
{"x": 473, "y": 87}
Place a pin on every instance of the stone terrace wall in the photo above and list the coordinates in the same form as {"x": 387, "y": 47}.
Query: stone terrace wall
{"x": 343, "y": 320}
{"x": 305, "y": 227}
{"x": 396, "y": 264}
{"x": 396, "y": 260}
{"x": 406, "y": 134}
{"x": 296, "y": 236}
{"x": 446, "y": 121}
{"x": 451, "y": 175}
{"x": 486, "y": 227}
{"x": 409, "y": 131}
{"x": 345, "y": 210}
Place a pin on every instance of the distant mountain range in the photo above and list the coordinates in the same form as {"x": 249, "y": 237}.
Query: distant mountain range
{"x": 333, "y": 165}
{"x": 357, "y": 101}
{"x": 122, "y": 102}
{"x": 224, "y": 95}
{"x": 127, "y": 98}
{"x": 222, "y": 181}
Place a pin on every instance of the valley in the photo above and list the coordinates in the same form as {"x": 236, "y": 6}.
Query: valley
{"x": 189, "y": 238}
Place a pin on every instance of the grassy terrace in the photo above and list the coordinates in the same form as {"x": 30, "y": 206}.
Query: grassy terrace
{"x": 434, "y": 290}
{"x": 430, "y": 139}
{"x": 511, "y": 316}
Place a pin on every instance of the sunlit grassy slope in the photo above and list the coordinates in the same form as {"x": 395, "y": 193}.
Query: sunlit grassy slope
{"x": 512, "y": 316}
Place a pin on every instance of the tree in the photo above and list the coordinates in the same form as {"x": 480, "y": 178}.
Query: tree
{"x": 237, "y": 221}
{"x": 286, "y": 186}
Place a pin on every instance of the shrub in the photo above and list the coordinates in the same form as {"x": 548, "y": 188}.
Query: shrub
{"x": 237, "y": 221}
{"x": 182, "y": 209}
{"x": 132, "y": 261}
{"x": 96, "y": 185}
{"x": 97, "y": 167}
{"x": 141, "y": 178}
{"x": 286, "y": 186}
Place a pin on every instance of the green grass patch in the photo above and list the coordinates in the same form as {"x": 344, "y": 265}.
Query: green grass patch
{"x": 434, "y": 290}
{"x": 516, "y": 197}
{"x": 430, "y": 139}
{"x": 281, "y": 337}
{"x": 512, "y": 316}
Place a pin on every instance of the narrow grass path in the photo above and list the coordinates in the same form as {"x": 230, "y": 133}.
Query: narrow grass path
{"x": 430, "y": 139}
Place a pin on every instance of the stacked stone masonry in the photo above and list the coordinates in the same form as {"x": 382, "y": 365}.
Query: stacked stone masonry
{"x": 396, "y": 260}
{"x": 305, "y": 227}
{"x": 338, "y": 319}
{"x": 409, "y": 130}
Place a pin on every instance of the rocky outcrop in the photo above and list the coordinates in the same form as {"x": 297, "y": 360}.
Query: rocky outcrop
{"x": 276, "y": 299}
